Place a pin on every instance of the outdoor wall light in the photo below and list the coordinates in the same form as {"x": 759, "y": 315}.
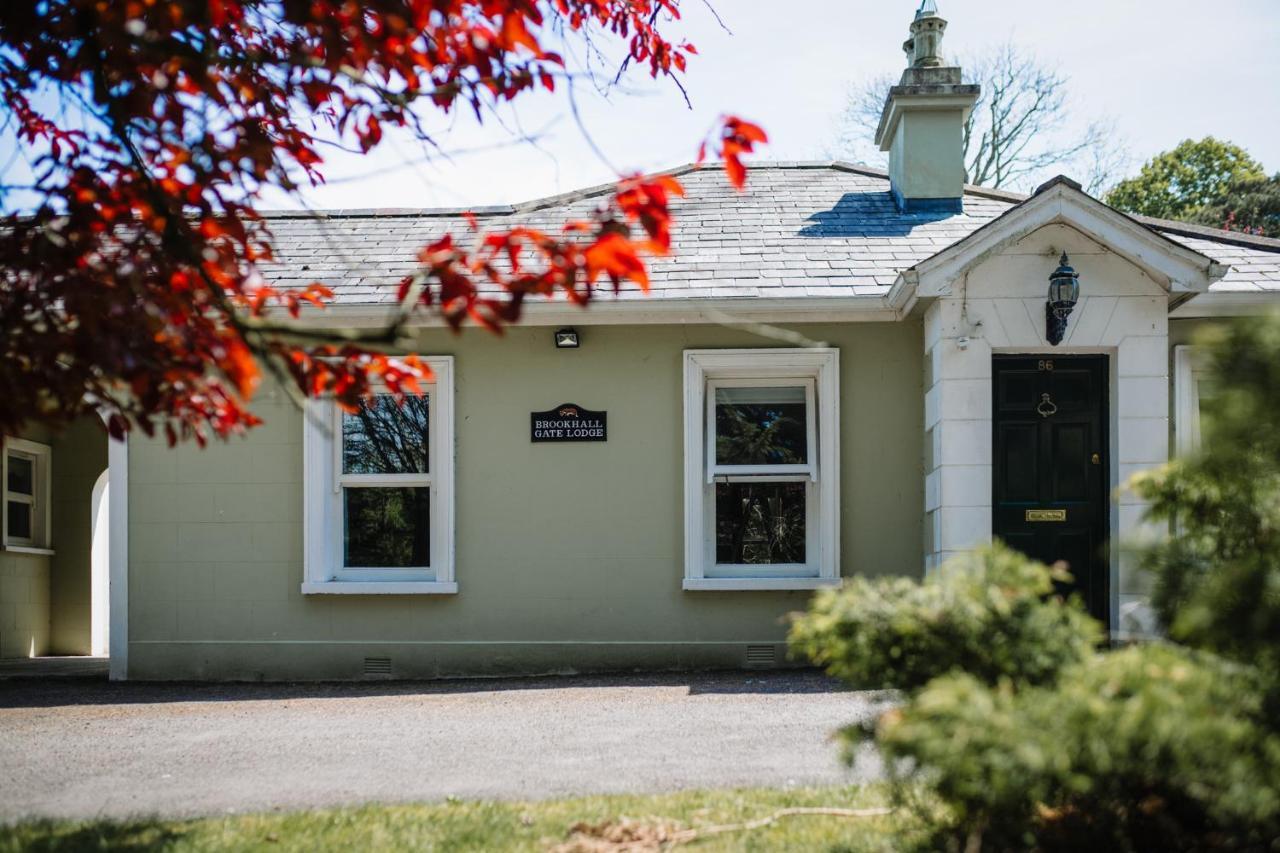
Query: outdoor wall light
{"x": 566, "y": 339}
{"x": 1064, "y": 292}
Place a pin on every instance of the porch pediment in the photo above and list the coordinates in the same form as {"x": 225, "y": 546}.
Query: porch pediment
{"x": 1180, "y": 271}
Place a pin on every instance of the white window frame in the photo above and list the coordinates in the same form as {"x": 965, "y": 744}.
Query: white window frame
{"x": 1190, "y": 364}
{"x": 324, "y": 572}
{"x": 817, "y": 369}
{"x": 41, "y": 457}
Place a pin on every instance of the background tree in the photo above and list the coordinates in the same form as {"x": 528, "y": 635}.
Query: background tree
{"x": 1178, "y": 183}
{"x": 1016, "y": 136}
{"x": 1251, "y": 205}
{"x": 153, "y": 126}
{"x": 1218, "y": 581}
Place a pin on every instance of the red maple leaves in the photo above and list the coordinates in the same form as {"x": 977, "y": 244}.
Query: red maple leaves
{"x": 488, "y": 283}
{"x": 133, "y": 289}
{"x": 729, "y": 141}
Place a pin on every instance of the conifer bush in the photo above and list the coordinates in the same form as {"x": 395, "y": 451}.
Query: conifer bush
{"x": 1033, "y": 737}
{"x": 987, "y": 614}
{"x": 1151, "y": 748}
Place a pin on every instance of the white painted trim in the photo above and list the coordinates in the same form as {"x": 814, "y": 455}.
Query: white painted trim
{"x": 378, "y": 588}
{"x": 400, "y": 642}
{"x": 1179, "y": 269}
{"x": 118, "y": 466}
{"x": 758, "y": 584}
{"x": 23, "y": 549}
{"x": 701, "y": 367}
{"x": 100, "y": 566}
{"x": 1227, "y": 303}
{"x": 322, "y": 535}
{"x": 1188, "y": 362}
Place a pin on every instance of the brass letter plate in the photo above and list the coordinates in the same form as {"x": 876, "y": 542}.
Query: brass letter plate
{"x": 1046, "y": 515}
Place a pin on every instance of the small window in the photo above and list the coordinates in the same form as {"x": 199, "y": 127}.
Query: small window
{"x": 761, "y": 472}
{"x": 379, "y": 516}
{"x": 26, "y": 494}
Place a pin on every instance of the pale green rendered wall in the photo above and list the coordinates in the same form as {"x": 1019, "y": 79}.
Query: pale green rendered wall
{"x": 925, "y": 159}
{"x": 1185, "y": 331}
{"x": 24, "y": 605}
{"x": 79, "y": 458}
{"x": 24, "y": 593}
{"x": 569, "y": 557}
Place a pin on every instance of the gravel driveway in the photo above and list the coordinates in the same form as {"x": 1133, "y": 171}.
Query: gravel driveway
{"x": 79, "y": 748}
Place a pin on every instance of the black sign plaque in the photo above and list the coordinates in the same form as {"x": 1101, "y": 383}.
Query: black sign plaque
{"x": 568, "y": 422}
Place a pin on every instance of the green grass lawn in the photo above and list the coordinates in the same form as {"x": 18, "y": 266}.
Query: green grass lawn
{"x": 535, "y": 826}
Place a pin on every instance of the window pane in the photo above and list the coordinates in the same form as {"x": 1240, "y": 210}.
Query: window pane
{"x": 387, "y": 528}
{"x": 19, "y": 520}
{"x": 386, "y": 438}
{"x": 1204, "y": 394}
{"x": 22, "y": 474}
{"x": 761, "y": 426}
{"x": 760, "y": 523}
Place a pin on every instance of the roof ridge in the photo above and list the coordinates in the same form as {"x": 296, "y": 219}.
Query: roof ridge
{"x": 1186, "y": 229}
{"x": 597, "y": 190}
{"x": 539, "y": 203}
{"x": 544, "y": 202}
{"x": 1208, "y": 232}
{"x": 387, "y": 212}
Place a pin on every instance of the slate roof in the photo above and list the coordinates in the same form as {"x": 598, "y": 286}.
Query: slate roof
{"x": 1254, "y": 267}
{"x": 800, "y": 230}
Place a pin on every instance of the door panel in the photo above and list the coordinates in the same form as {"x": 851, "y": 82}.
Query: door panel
{"x": 1017, "y": 391}
{"x": 1070, "y": 478}
{"x": 1050, "y": 451}
{"x": 1019, "y": 446}
{"x": 1072, "y": 389}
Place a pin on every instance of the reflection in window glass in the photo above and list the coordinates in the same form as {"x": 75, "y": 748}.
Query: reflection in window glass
{"x": 760, "y": 523}
{"x": 761, "y": 426}
{"x": 387, "y": 528}
{"x": 19, "y": 520}
{"x": 386, "y": 438}
{"x": 21, "y": 474}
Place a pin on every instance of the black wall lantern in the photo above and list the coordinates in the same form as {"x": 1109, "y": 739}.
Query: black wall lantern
{"x": 1064, "y": 292}
{"x": 566, "y": 339}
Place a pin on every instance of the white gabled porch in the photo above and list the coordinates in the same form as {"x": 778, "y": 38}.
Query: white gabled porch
{"x": 985, "y": 297}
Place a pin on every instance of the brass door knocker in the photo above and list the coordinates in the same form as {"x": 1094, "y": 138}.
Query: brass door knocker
{"x": 1047, "y": 407}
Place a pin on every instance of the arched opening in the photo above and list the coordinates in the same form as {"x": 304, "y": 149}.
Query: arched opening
{"x": 100, "y": 566}
{"x": 55, "y": 584}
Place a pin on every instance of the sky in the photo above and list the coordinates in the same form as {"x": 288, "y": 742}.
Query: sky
{"x": 1163, "y": 71}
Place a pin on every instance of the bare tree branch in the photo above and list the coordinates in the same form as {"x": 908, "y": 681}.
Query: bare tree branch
{"x": 1021, "y": 131}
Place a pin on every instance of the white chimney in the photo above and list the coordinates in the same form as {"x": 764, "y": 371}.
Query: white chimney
{"x": 922, "y": 126}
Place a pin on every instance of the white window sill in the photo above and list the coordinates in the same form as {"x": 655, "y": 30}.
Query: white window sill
{"x": 760, "y": 584}
{"x": 379, "y": 588}
{"x": 26, "y": 549}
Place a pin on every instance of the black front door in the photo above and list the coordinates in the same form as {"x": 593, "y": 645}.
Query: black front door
{"x": 1050, "y": 476}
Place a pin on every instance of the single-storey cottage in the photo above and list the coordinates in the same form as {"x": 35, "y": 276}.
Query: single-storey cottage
{"x": 839, "y": 372}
